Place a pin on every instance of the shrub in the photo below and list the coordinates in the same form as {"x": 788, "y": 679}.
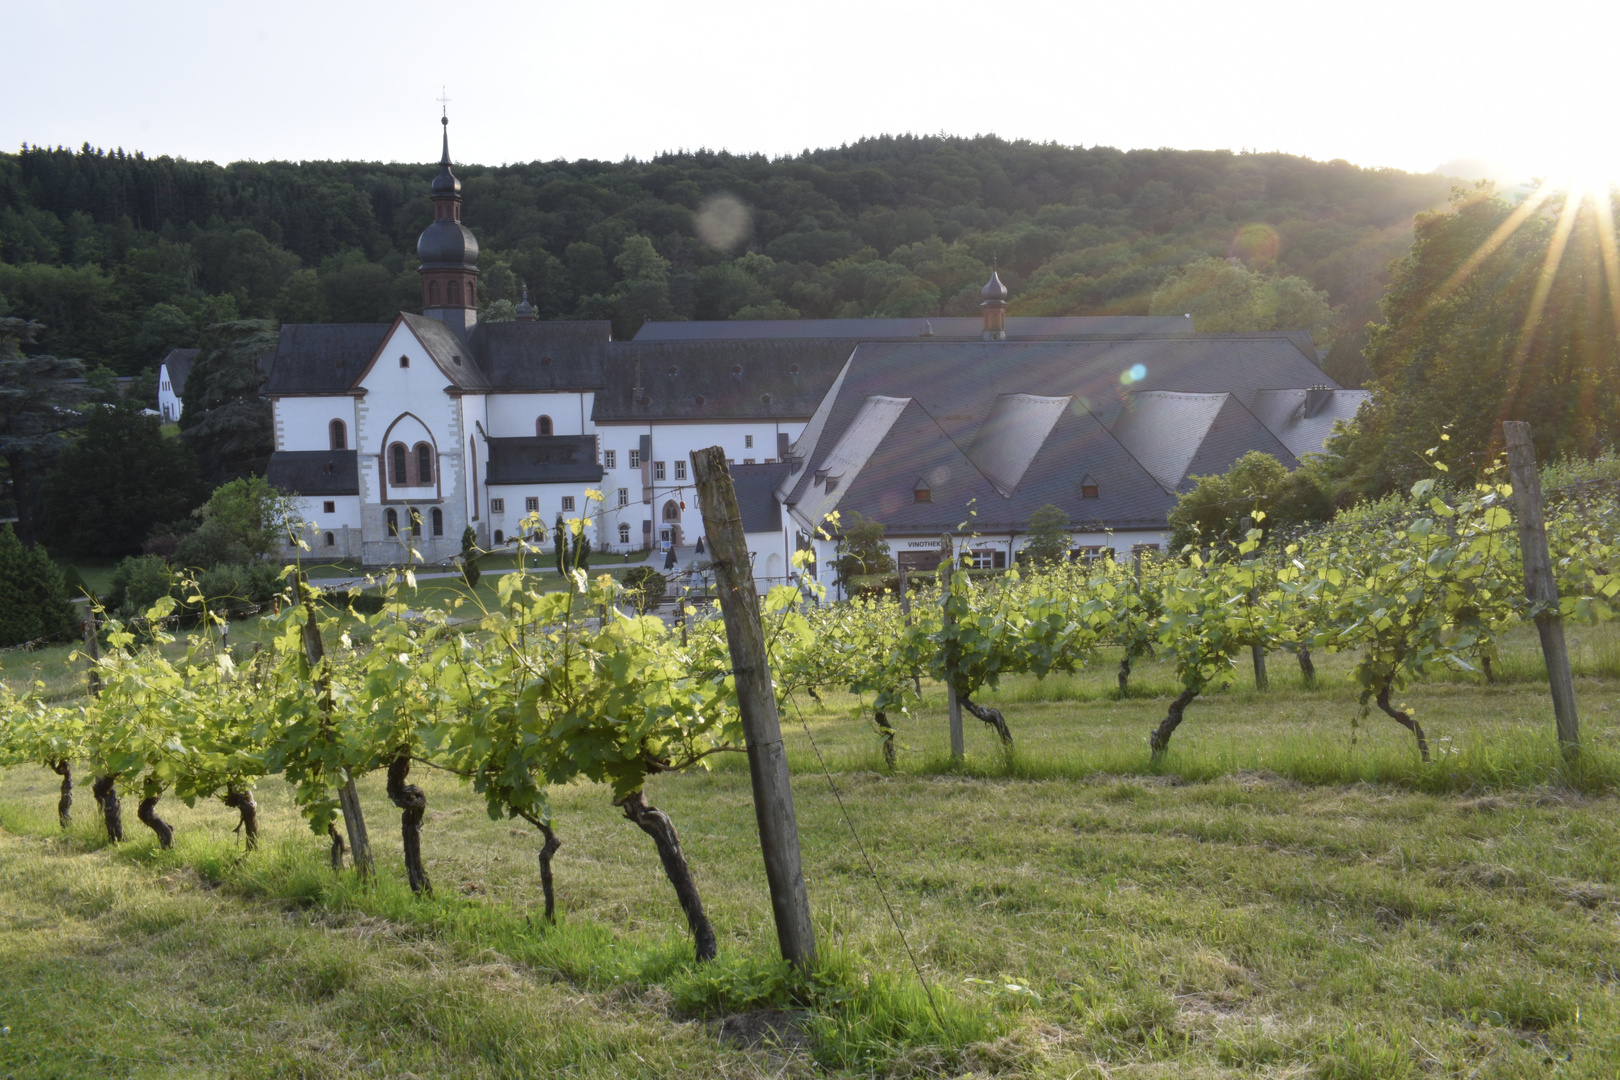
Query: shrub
{"x": 470, "y": 573}
{"x": 239, "y": 587}
{"x": 645, "y": 588}
{"x": 33, "y": 596}
{"x": 137, "y": 584}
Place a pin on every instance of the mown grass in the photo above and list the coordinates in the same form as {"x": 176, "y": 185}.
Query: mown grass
{"x": 1282, "y": 895}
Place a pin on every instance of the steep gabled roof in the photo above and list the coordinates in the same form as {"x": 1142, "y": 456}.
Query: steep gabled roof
{"x": 453, "y": 355}
{"x": 974, "y": 403}
{"x": 315, "y": 472}
{"x": 322, "y": 358}
{"x": 537, "y": 357}
{"x": 756, "y": 495}
{"x": 717, "y": 380}
{"x": 178, "y": 364}
{"x": 1020, "y": 327}
{"x": 544, "y": 459}
{"x": 1284, "y": 412}
{"x": 1011, "y": 434}
{"x": 1164, "y": 430}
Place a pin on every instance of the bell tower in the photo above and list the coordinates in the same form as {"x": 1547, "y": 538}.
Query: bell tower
{"x": 449, "y": 253}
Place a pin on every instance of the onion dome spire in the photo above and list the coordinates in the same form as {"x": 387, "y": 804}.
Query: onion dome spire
{"x": 525, "y": 310}
{"x": 446, "y": 183}
{"x": 994, "y": 306}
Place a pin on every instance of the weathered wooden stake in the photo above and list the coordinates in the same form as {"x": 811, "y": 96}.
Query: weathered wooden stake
{"x": 756, "y": 701}
{"x": 1539, "y": 585}
{"x": 348, "y": 795}
{"x": 954, "y": 707}
{"x": 92, "y": 649}
{"x": 1261, "y": 680}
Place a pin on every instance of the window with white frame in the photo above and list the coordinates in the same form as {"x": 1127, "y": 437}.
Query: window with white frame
{"x": 624, "y": 533}
{"x": 624, "y": 496}
{"x": 497, "y": 506}
{"x": 748, "y": 442}
{"x": 680, "y": 470}
{"x": 568, "y": 503}
{"x": 531, "y": 504}
{"x": 748, "y": 461}
{"x": 658, "y": 470}
{"x": 635, "y": 459}
{"x": 610, "y": 459}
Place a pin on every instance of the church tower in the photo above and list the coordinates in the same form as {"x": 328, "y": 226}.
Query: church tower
{"x": 449, "y": 254}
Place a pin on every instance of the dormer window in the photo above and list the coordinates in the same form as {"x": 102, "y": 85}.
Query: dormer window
{"x": 404, "y": 361}
{"x": 921, "y": 493}
{"x": 1088, "y": 487}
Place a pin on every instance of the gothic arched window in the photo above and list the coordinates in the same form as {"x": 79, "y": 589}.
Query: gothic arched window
{"x": 433, "y": 294}
{"x": 455, "y": 294}
{"x": 672, "y": 512}
{"x": 416, "y": 522}
{"x": 392, "y": 517}
{"x": 396, "y": 465}
{"x": 437, "y": 517}
{"x": 424, "y": 463}
{"x": 624, "y": 533}
{"x": 340, "y": 435}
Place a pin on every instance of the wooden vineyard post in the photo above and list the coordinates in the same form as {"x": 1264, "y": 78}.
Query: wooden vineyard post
{"x": 1539, "y": 585}
{"x": 953, "y": 706}
{"x": 92, "y": 649}
{"x": 1261, "y": 681}
{"x": 756, "y": 701}
{"x": 348, "y": 795}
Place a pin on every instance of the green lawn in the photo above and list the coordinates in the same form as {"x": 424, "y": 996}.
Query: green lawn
{"x": 1285, "y": 896}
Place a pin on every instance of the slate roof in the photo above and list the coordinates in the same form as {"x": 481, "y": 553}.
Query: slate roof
{"x": 452, "y": 355}
{"x": 970, "y": 328}
{"x": 315, "y": 472}
{"x": 544, "y": 459}
{"x": 179, "y": 362}
{"x": 541, "y": 356}
{"x": 717, "y": 380}
{"x": 321, "y": 358}
{"x": 973, "y": 407}
{"x": 756, "y": 495}
{"x": 1283, "y": 411}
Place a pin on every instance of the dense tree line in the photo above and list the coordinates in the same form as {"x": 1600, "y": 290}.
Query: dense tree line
{"x": 123, "y": 256}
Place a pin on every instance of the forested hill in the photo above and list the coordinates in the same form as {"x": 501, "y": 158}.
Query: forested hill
{"x": 125, "y": 256}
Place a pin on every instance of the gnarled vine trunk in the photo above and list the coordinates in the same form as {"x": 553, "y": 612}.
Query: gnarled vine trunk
{"x": 241, "y": 800}
{"x": 1159, "y": 741}
{"x": 990, "y": 716}
{"x": 886, "y": 732}
{"x": 1124, "y": 673}
{"x": 112, "y": 811}
{"x": 656, "y": 824}
{"x": 547, "y": 850}
{"x": 337, "y": 851}
{"x": 412, "y": 803}
{"x": 64, "y": 805}
{"x": 147, "y": 812}
{"x": 1405, "y": 719}
{"x": 1307, "y": 667}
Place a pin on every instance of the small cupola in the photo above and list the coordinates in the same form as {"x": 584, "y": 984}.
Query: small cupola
{"x": 525, "y": 310}
{"x": 993, "y": 302}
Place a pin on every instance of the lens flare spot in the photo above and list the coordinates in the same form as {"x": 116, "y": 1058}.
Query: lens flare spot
{"x": 724, "y": 221}
{"x": 1256, "y": 244}
{"x": 1133, "y": 374}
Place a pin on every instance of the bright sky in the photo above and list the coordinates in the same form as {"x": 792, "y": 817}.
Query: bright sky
{"x": 1412, "y": 84}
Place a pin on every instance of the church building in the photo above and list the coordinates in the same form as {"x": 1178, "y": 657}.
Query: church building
{"x": 401, "y": 435}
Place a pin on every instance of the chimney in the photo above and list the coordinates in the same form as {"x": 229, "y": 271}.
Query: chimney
{"x": 993, "y": 303}
{"x": 1317, "y": 399}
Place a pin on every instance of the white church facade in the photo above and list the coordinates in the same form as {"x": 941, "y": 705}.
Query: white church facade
{"x": 404, "y": 434}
